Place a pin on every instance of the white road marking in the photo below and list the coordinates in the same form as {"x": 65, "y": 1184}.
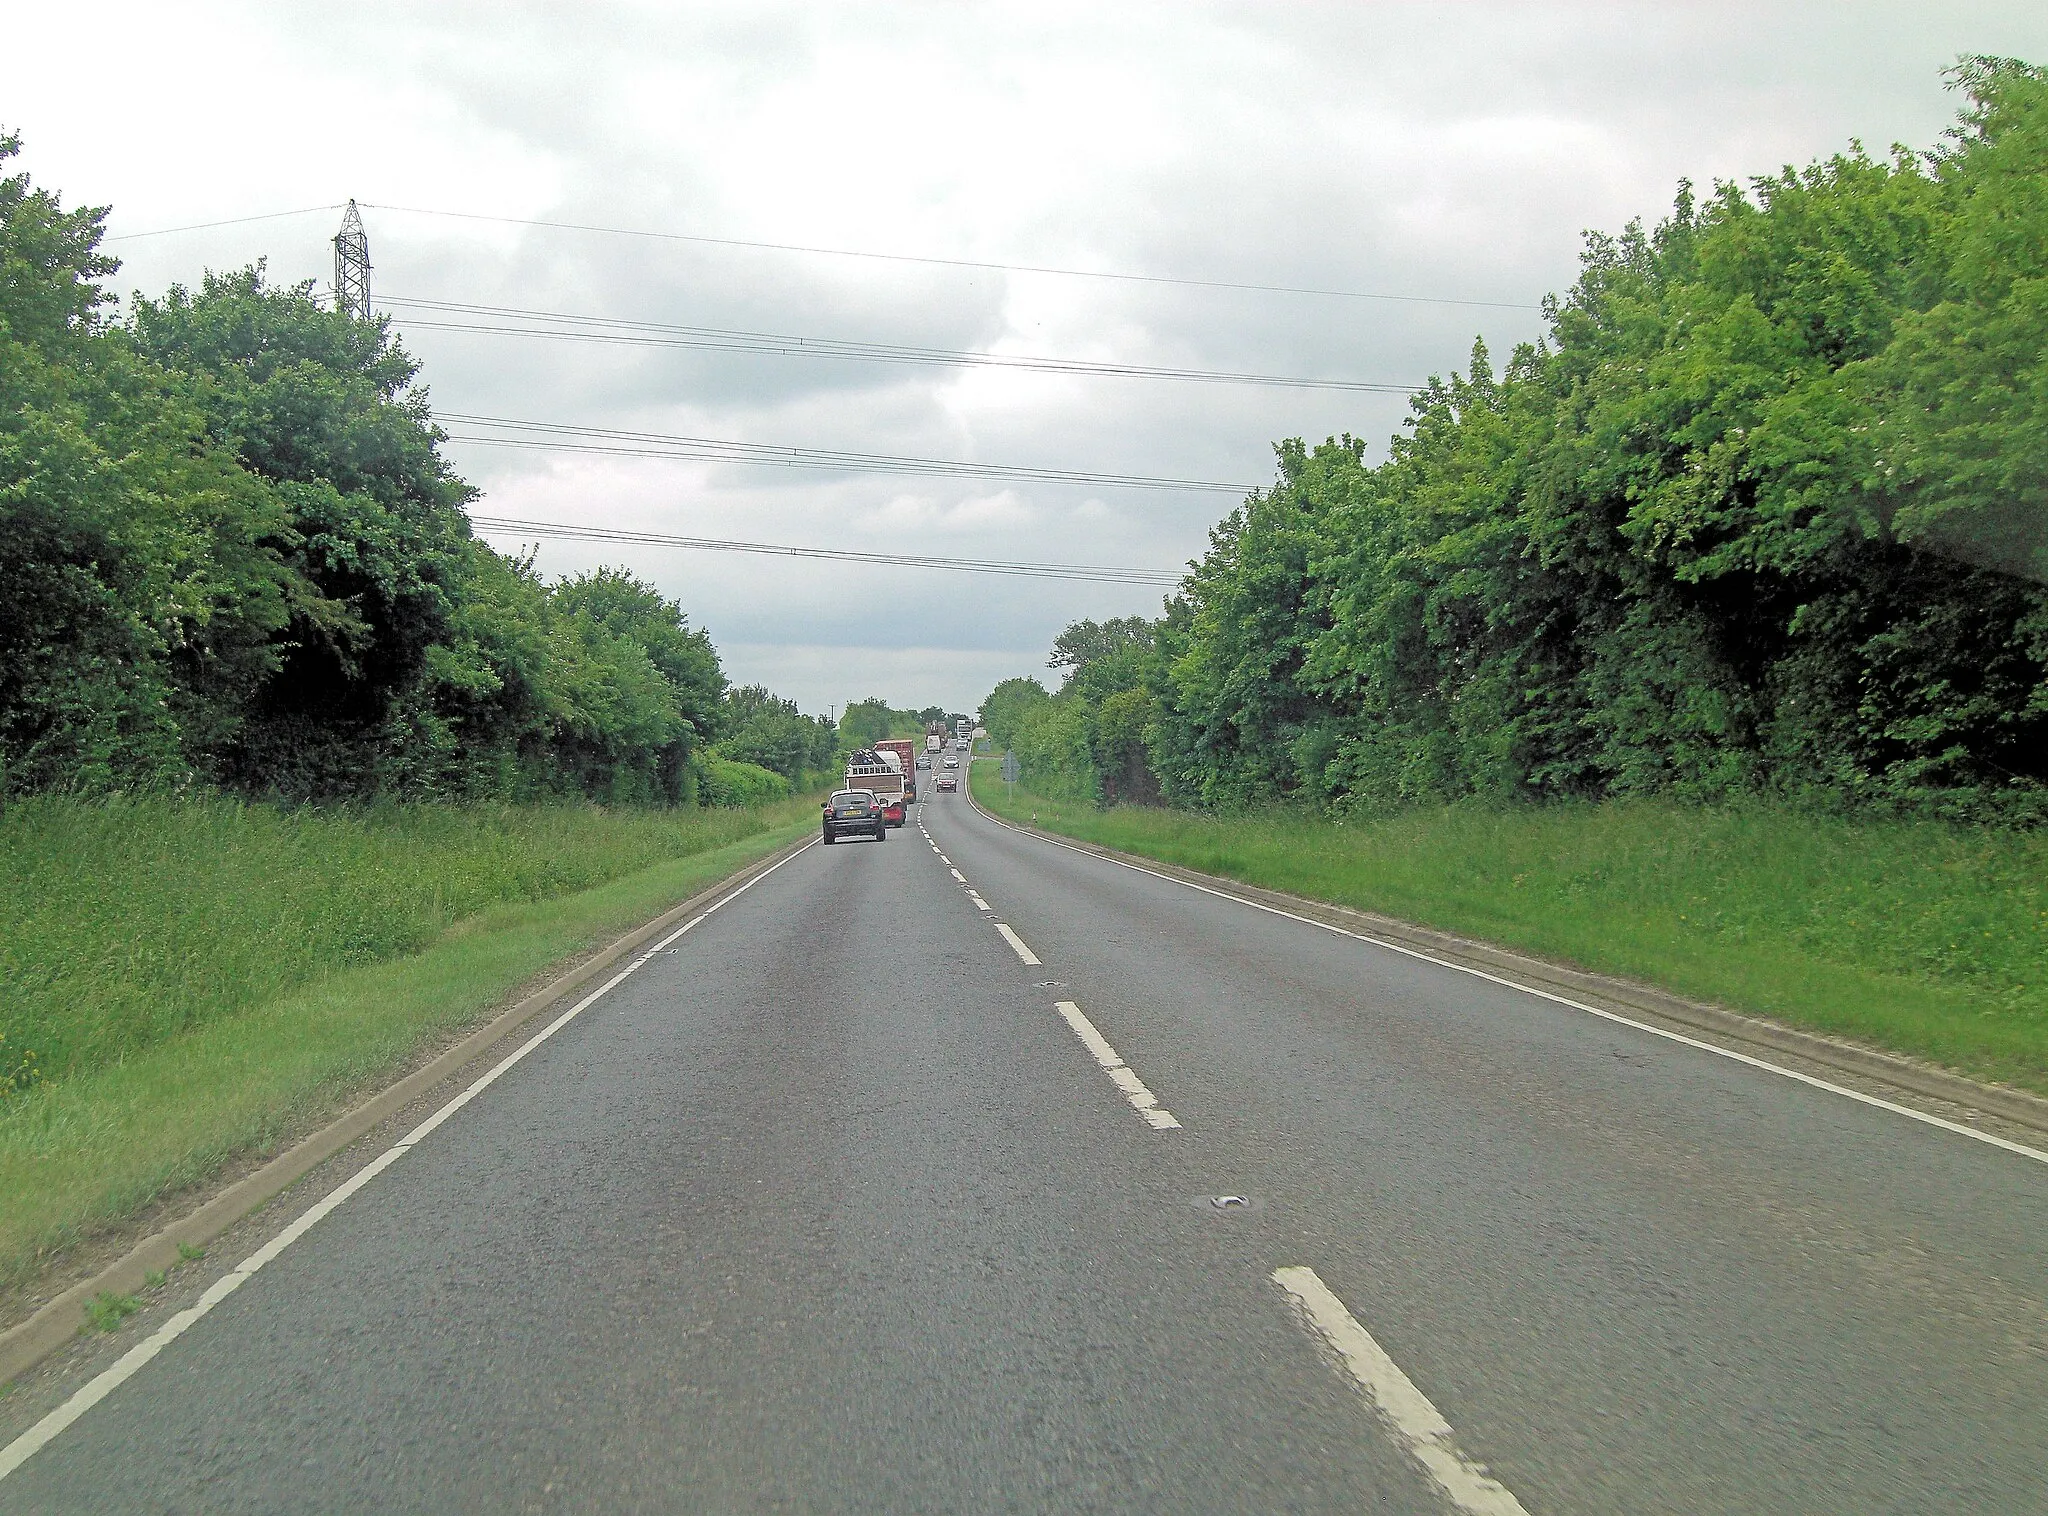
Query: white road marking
{"x": 979, "y": 903}
{"x": 25, "y": 1447}
{"x": 1142, "y": 1100}
{"x": 1018, "y": 943}
{"x": 943, "y": 858}
{"x": 957, "y": 875}
{"x": 1812, "y": 1081}
{"x": 1419, "y": 1426}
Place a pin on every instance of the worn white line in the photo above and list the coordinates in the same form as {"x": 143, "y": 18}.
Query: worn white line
{"x": 957, "y": 875}
{"x": 1418, "y": 1425}
{"x": 25, "y": 1447}
{"x": 979, "y": 903}
{"x": 1121, "y": 1074}
{"x": 1017, "y": 942}
{"x": 1990, "y": 1139}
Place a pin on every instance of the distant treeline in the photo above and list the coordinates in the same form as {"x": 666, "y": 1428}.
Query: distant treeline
{"x": 232, "y": 555}
{"x": 1766, "y": 510}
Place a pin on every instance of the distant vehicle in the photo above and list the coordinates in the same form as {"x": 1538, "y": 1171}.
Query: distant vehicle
{"x": 947, "y": 784}
{"x": 923, "y": 761}
{"x": 855, "y": 813}
{"x": 962, "y": 727}
{"x": 952, "y": 763}
{"x": 933, "y": 741}
{"x": 960, "y": 746}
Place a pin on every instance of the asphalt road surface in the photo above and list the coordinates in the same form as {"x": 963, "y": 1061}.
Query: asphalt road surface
{"x": 839, "y": 1204}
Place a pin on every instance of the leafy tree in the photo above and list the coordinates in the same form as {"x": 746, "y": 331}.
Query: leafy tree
{"x": 144, "y": 585}
{"x": 758, "y": 728}
{"x": 1005, "y": 707}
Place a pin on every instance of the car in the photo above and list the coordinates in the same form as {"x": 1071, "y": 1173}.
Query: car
{"x": 952, "y": 763}
{"x": 948, "y": 784}
{"x": 893, "y": 811}
{"x": 855, "y": 813}
{"x": 923, "y": 762}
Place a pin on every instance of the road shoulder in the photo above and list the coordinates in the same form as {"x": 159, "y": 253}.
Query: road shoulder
{"x": 2004, "y": 1112}
{"x": 162, "y": 1264}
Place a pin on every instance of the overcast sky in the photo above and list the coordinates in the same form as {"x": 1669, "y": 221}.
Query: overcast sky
{"x": 1453, "y": 152}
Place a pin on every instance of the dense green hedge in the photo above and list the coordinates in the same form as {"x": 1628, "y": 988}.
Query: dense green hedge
{"x": 1766, "y": 510}
{"x": 234, "y": 556}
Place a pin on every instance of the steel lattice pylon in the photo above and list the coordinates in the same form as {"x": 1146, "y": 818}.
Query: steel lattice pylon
{"x": 352, "y": 266}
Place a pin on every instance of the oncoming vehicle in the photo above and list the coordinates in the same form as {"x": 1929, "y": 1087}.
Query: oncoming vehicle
{"x": 855, "y": 813}
{"x": 952, "y": 763}
{"x": 948, "y": 784}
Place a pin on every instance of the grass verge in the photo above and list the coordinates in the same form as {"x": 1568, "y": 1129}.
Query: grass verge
{"x": 1923, "y": 938}
{"x": 85, "y": 1151}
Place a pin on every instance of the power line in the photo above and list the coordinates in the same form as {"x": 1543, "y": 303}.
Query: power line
{"x": 656, "y": 334}
{"x": 200, "y": 226}
{"x": 974, "y": 263}
{"x": 552, "y": 437}
{"x": 1096, "y": 573}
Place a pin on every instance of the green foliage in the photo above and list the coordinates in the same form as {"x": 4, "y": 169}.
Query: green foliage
{"x": 106, "y": 1310}
{"x": 727, "y": 783}
{"x": 127, "y": 922}
{"x": 236, "y": 556}
{"x": 866, "y": 722}
{"x": 757, "y": 728}
{"x": 1004, "y": 710}
{"x": 1767, "y": 510}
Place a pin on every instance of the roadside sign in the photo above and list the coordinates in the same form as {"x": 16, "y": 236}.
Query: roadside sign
{"x": 1010, "y": 770}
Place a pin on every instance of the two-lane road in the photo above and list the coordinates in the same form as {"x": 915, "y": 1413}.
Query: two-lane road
{"x": 839, "y": 1202}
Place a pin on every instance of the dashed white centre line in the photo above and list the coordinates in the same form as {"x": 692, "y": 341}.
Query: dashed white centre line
{"x": 1017, "y": 942}
{"x": 957, "y": 875}
{"x": 1416, "y": 1424}
{"x": 979, "y": 903}
{"x": 1143, "y": 1100}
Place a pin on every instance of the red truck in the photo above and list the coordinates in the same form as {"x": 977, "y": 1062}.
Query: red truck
{"x": 890, "y": 770}
{"x": 907, "y": 751}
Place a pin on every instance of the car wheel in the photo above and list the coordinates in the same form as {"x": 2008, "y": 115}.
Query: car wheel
{"x": 828, "y": 836}
{"x": 882, "y": 832}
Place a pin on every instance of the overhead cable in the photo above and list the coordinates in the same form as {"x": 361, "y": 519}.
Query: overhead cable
{"x": 565, "y": 326}
{"x": 200, "y": 226}
{"x": 1098, "y": 573}
{"x": 974, "y": 263}
{"x": 546, "y": 436}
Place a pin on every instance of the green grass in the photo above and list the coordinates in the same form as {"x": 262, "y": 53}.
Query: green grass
{"x": 215, "y": 978}
{"x": 1924, "y": 938}
{"x": 127, "y": 922}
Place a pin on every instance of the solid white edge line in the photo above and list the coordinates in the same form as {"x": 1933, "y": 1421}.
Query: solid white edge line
{"x": 1018, "y": 943}
{"x": 29, "y": 1443}
{"x": 1926, "y": 1118}
{"x": 1421, "y": 1428}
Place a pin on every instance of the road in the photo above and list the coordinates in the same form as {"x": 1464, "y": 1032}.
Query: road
{"x": 839, "y": 1204}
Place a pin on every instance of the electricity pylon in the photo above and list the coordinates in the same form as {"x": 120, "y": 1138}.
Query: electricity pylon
{"x": 352, "y": 266}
